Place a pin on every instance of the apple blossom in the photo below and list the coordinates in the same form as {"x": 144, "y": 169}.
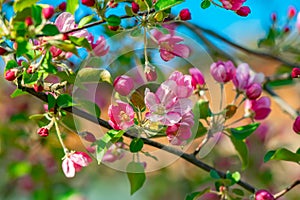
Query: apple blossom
{"x": 295, "y": 72}
{"x": 259, "y": 109}
{"x": 48, "y": 12}
{"x": 263, "y": 195}
{"x": 232, "y": 4}
{"x": 222, "y": 71}
{"x": 121, "y": 115}
{"x": 183, "y": 88}
{"x": 11, "y": 74}
{"x": 296, "y": 125}
{"x": 99, "y": 47}
{"x": 254, "y": 91}
{"x": 197, "y": 77}
{"x": 114, "y": 152}
{"x": 73, "y": 162}
{"x": 169, "y": 47}
{"x": 43, "y": 131}
{"x": 123, "y": 85}
{"x": 185, "y": 14}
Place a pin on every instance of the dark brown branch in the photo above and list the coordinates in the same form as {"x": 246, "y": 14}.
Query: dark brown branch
{"x": 283, "y": 192}
{"x": 188, "y": 157}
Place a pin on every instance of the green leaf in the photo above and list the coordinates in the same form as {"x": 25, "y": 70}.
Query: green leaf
{"x": 50, "y": 30}
{"x": 72, "y": 6}
{"x": 36, "y": 117}
{"x": 204, "y": 109}
{"x": 201, "y": 131}
{"x": 85, "y": 20}
{"x": 64, "y": 76}
{"x": 65, "y": 46}
{"x": 136, "y": 32}
{"x": 243, "y": 132}
{"x": 242, "y": 150}
{"x": 36, "y": 11}
{"x": 283, "y": 154}
{"x": 234, "y": 178}
{"x": 51, "y": 101}
{"x": 214, "y": 174}
{"x": 11, "y": 64}
{"x": 136, "y": 176}
{"x": 18, "y": 169}
{"x": 47, "y": 64}
{"x": 19, "y": 5}
{"x": 113, "y": 20}
{"x": 205, "y": 4}
{"x": 128, "y": 10}
{"x": 165, "y": 4}
{"x": 64, "y": 100}
{"x": 92, "y": 75}
{"x": 17, "y": 93}
{"x": 81, "y": 42}
{"x": 30, "y": 78}
{"x": 136, "y": 145}
{"x": 90, "y": 106}
{"x": 195, "y": 195}
{"x": 23, "y": 46}
{"x": 238, "y": 192}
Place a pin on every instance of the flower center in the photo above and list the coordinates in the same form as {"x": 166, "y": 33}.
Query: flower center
{"x": 124, "y": 117}
{"x": 160, "y": 110}
{"x": 166, "y": 46}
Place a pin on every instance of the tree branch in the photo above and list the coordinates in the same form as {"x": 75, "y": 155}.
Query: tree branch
{"x": 283, "y": 192}
{"x": 188, "y": 157}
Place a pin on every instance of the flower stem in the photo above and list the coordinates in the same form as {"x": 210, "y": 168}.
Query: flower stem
{"x": 58, "y": 133}
{"x": 145, "y": 46}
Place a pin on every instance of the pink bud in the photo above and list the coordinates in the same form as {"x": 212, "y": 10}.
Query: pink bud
{"x": 197, "y": 77}
{"x": 89, "y": 3}
{"x": 222, "y": 71}
{"x": 28, "y": 21}
{"x": 43, "y": 132}
{"x": 291, "y": 12}
{"x": 295, "y": 72}
{"x": 55, "y": 52}
{"x": 296, "y": 125}
{"x": 113, "y": 28}
{"x": 2, "y": 51}
{"x": 244, "y": 11}
{"x": 123, "y": 85}
{"x": 286, "y": 29}
{"x": 274, "y": 17}
{"x": 38, "y": 87}
{"x": 30, "y": 70}
{"x": 89, "y": 137}
{"x": 62, "y": 6}
{"x": 254, "y": 91}
{"x": 150, "y": 73}
{"x": 48, "y": 12}
{"x": 263, "y": 195}
{"x": 185, "y": 14}
{"x": 65, "y": 36}
{"x": 11, "y": 74}
{"x": 135, "y": 7}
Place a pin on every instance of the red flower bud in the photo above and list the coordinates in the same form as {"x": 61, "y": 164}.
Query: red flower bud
{"x": 295, "y": 72}
{"x": 150, "y": 73}
{"x": 296, "y": 125}
{"x": 65, "y": 36}
{"x": 30, "y": 70}
{"x": 89, "y": 137}
{"x": 38, "y": 87}
{"x": 135, "y": 7}
{"x": 48, "y": 12}
{"x": 11, "y": 74}
{"x": 274, "y": 17}
{"x": 286, "y": 29}
{"x": 291, "y": 12}
{"x": 185, "y": 14}
{"x": 2, "y": 51}
{"x": 263, "y": 195}
{"x": 243, "y": 11}
{"x": 43, "y": 132}
{"x": 113, "y": 28}
{"x": 28, "y": 21}
{"x": 254, "y": 91}
{"x": 89, "y": 3}
{"x": 62, "y": 6}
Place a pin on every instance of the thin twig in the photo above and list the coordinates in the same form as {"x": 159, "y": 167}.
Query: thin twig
{"x": 283, "y": 192}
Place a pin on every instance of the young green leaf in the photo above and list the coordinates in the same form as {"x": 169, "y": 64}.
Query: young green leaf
{"x": 37, "y": 14}
{"x": 205, "y": 4}
{"x": 136, "y": 145}
{"x": 64, "y": 100}
{"x": 136, "y": 176}
{"x": 204, "y": 109}
{"x": 92, "y": 75}
{"x": 50, "y": 30}
{"x": 17, "y": 93}
{"x": 11, "y": 64}
{"x": 47, "y": 64}
{"x": 51, "y": 101}
{"x": 242, "y": 150}
{"x": 165, "y": 4}
{"x": 283, "y": 154}
{"x": 196, "y": 195}
{"x": 113, "y": 20}
{"x": 85, "y": 20}
{"x": 128, "y": 10}
{"x": 214, "y": 174}
{"x": 80, "y": 42}
{"x": 243, "y": 132}
{"x": 19, "y": 5}
{"x": 72, "y": 6}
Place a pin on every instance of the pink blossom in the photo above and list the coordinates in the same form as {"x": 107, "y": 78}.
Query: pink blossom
{"x": 184, "y": 88}
{"x": 123, "y": 85}
{"x": 263, "y": 195}
{"x": 169, "y": 47}
{"x": 73, "y": 162}
{"x": 244, "y": 11}
{"x": 222, "y": 71}
{"x": 243, "y": 78}
{"x": 259, "y": 109}
{"x": 99, "y": 47}
{"x": 254, "y": 91}
{"x": 115, "y": 152}
{"x": 232, "y": 4}
{"x": 296, "y": 125}
{"x": 120, "y": 115}
{"x": 164, "y": 106}
{"x": 197, "y": 77}
{"x": 179, "y": 133}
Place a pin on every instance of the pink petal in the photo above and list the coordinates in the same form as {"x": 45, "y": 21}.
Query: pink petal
{"x": 181, "y": 50}
{"x": 172, "y": 118}
{"x": 68, "y": 168}
{"x": 262, "y": 113}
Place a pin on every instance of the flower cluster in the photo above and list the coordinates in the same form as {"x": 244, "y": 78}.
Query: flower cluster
{"x": 237, "y": 6}
{"x": 74, "y": 161}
